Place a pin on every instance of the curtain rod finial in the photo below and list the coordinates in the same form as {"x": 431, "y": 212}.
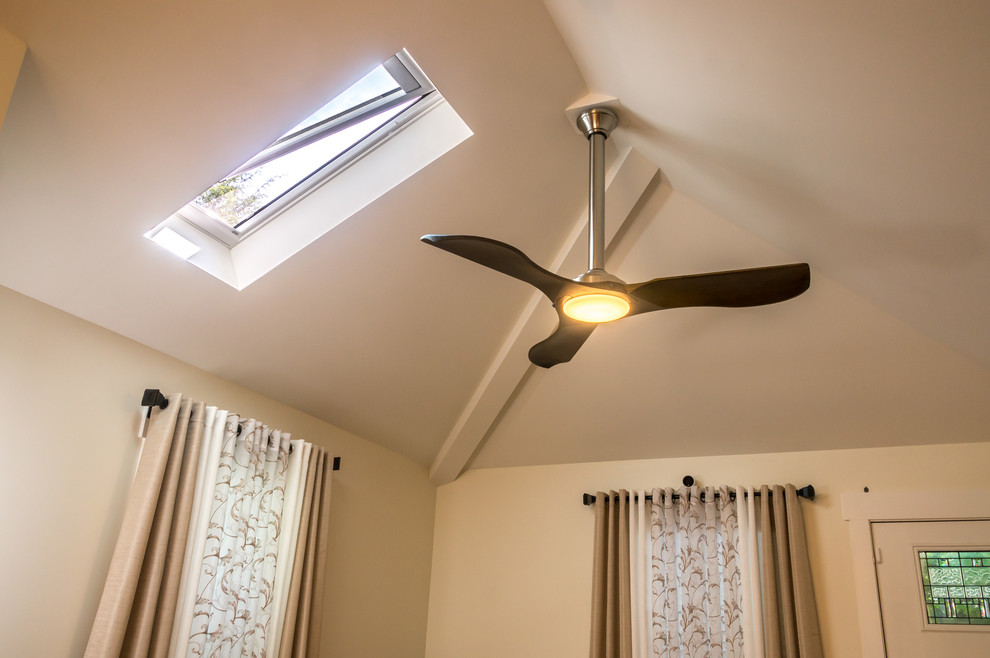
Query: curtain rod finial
{"x": 153, "y": 398}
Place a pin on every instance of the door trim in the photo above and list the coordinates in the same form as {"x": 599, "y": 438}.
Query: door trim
{"x": 862, "y": 509}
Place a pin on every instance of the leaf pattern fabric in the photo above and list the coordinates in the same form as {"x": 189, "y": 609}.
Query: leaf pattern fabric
{"x": 727, "y": 575}
{"x": 695, "y": 575}
{"x": 237, "y": 577}
{"x": 223, "y": 545}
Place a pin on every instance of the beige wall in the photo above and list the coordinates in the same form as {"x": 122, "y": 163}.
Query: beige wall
{"x": 12, "y": 52}
{"x": 68, "y": 406}
{"x": 512, "y": 549}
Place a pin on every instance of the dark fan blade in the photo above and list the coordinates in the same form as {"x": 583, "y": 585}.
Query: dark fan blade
{"x": 562, "y": 344}
{"x": 755, "y": 287}
{"x": 501, "y": 257}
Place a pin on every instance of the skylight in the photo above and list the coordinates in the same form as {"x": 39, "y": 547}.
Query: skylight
{"x": 374, "y": 110}
{"x": 242, "y": 196}
{"x": 309, "y": 152}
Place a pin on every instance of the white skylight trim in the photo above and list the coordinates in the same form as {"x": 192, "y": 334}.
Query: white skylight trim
{"x": 416, "y": 127}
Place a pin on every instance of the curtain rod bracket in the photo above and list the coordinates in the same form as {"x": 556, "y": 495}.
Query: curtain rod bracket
{"x": 153, "y": 398}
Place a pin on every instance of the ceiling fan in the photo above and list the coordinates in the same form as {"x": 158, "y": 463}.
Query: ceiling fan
{"x": 597, "y": 296}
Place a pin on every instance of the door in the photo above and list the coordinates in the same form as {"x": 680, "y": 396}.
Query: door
{"x": 949, "y": 563}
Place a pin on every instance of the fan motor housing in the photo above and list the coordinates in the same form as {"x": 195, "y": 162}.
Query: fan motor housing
{"x": 598, "y": 120}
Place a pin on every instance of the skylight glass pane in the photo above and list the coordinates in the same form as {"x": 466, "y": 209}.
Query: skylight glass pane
{"x": 236, "y": 199}
{"x": 376, "y": 84}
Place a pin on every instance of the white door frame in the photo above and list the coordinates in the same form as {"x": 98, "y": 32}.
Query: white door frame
{"x": 861, "y": 509}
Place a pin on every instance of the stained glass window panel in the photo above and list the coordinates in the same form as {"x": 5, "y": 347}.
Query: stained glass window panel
{"x": 956, "y": 586}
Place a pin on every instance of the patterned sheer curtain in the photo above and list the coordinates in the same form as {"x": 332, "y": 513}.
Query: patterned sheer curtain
{"x": 695, "y": 579}
{"x": 702, "y": 573}
{"x": 223, "y": 542}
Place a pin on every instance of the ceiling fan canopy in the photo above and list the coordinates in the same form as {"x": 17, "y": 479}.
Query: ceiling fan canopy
{"x": 598, "y": 296}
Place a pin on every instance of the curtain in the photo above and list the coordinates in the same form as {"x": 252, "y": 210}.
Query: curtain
{"x": 749, "y": 560}
{"x": 782, "y": 621}
{"x": 696, "y": 605}
{"x": 305, "y": 591}
{"x": 611, "y": 621}
{"x": 215, "y": 532}
{"x": 719, "y": 573}
{"x": 216, "y": 425}
{"x": 237, "y": 567}
{"x": 640, "y": 573}
{"x": 127, "y": 610}
{"x": 295, "y": 481}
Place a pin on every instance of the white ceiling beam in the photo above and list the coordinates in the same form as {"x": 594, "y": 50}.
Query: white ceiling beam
{"x": 627, "y": 180}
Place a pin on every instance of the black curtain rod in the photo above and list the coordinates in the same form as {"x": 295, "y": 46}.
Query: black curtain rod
{"x": 153, "y": 398}
{"x": 804, "y": 492}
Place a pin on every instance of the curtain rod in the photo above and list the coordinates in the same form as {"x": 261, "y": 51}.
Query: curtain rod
{"x": 807, "y": 492}
{"x": 153, "y": 398}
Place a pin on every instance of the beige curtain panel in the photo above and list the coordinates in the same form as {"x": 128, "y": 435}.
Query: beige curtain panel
{"x": 225, "y": 520}
{"x": 611, "y": 611}
{"x": 138, "y": 564}
{"x": 786, "y": 594}
{"x": 305, "y": 605}
{"x": 730, "y": 575}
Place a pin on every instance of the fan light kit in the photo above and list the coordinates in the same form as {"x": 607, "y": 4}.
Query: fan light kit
{"x": 597, "y": 296}
{"x": 596, "y": 307}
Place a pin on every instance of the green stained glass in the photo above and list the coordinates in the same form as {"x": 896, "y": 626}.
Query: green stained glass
{"x": 945, "y": 576}
{"x": 956, "y": 586}
{"x": 953, "y": 620}
{"x": 977, "y": 576}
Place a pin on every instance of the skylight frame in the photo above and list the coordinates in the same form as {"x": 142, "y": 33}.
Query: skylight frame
{"x": 401, "y": 146}
{"x": 415, "y": 87}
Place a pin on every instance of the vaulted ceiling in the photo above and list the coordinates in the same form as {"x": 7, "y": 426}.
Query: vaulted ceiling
{"x": 849, "y": 135}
